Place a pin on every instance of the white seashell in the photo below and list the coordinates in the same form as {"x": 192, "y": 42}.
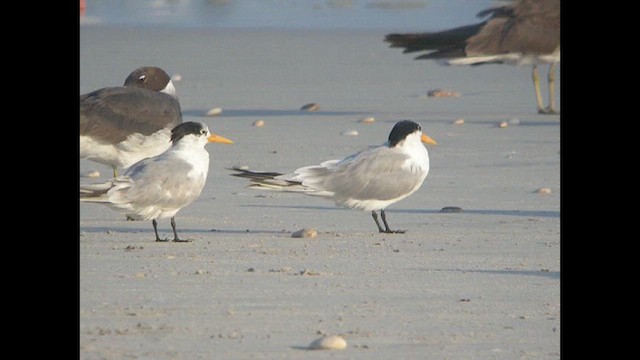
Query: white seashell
{"x": 503, "y": 124}
{"x": 333, "y": 342}
{"x": 176, "y": 77}
{"x": 349, "y": 133}
{"x": 305, "y": 233}
{"x": 310, "y": 107}
{"x": 458, "y": 122}
{"x": 258, "y": 123}
{"x": 442, "y": 93}
{"x": 544, "y": 191}
{"x": 214, "y": 112}
{"x": 367, "y": 120}
{"x": 514, "y": 121}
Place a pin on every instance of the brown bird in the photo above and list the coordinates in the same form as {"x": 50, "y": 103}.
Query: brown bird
{"x": 524, "y": 32}
{"x": 120, "y": 126}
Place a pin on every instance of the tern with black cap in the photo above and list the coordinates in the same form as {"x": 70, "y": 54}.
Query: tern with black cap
{"x": 369, "y": 180}
{"x": 122, "y": 125}
{"x": 160, "y": 186}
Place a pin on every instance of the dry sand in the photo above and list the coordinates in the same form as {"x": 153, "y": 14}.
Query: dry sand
{"x": 481, "y": 284}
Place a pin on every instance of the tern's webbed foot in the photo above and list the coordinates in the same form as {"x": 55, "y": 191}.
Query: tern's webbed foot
{"x": 548, "y": 111}
{"x": 161, "y": 240}
{"x": 389, "y": 231}
{"x": 181, "y": 240}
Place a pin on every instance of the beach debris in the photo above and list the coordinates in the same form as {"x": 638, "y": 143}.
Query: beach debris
{"x": 367, "y": 120}
{"x": 458, "y": 122}
{"x": 258, "y": 123}
{"x": 503, "y": 124}
{"x": 305, "y": 233}
{"x": 310, "y": 107}
{"x": 214, "y": 112}
{"x": 543, "y": 191}
{"x": 438, "y": 93}
{"x": 349, "y": 133}
{"x": 331, "y": 342}
{"x": 514, "y": 121}
{"x": 176, "y": 77}
{"x": 91, "y": 174}
{"x": 451, "y": 209}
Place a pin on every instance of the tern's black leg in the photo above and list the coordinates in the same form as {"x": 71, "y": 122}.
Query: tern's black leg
{"x": 155, "y": 229}
{"x": 375, "y": 218}
{"x": 387, "y": 230}
{"x": 175, "y": 233}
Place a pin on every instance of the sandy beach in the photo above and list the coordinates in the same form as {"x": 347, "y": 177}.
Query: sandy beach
{"x": 480, "y": 284}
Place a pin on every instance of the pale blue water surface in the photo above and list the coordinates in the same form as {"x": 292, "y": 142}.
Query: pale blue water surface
{"x": 399, "y": 15}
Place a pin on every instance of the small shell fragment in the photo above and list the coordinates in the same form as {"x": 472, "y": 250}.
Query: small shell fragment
{"x": 176, "y": 77}
{"x": 310, "y": 107}
{"x": 503, "y": 124}
{"x": 367, "y": 120}
{"x": 438, "y": 93}
{"x": 305, "y": 233}
{"x": 214, "y": 112}
{"x": 333, "y": 342}
{"x": 258, "y": 123}
{"x": 458, "y": 122}
{"x": 544, "y": 191}
{"x": 349, "y": 133}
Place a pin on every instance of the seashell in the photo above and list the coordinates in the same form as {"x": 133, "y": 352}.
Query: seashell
{"x": 367, "y": 120}
{"x": 544, "y": 191}
{"x": 458, "y": 122}
{"x": 349, "y": 133}
{"x": 176, "y": 77}
{"x": 310, "y": 107}
{"x": 333, "y": 342}
{"x": 442, "y": 93}
{"x": 305, "y": 233}
{"x": 503, "y": 124}
{"x": 258, "y": 123}
{"x": 214, "y": 112}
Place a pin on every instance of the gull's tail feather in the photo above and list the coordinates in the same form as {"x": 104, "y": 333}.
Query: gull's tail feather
{"x": 444, "y": 44}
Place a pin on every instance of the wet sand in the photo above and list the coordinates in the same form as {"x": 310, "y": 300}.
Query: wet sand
{"x": 481, "y": 284}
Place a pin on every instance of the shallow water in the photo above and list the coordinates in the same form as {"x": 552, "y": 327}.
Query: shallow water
{"x": 287, "y": 14}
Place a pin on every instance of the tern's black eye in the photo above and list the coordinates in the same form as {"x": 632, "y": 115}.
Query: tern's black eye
{"x": 142, "y": 78}
{"x": 203, "y": 132}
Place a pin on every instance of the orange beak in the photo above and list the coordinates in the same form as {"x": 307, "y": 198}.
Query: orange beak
{"x": 427, "y": 140}
{"x": 219, "y": 139}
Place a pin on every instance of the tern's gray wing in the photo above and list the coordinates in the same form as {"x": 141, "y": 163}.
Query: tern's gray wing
{"x": 111, "y": 114}
{"x": 377, "y": 174}
{"x": 160, "y": 183}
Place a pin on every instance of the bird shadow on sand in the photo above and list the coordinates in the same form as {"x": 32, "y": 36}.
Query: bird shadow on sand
{"x": 269, "y": 112}
{"x": 525, "y": 213}
{"x": 104, "y": 229}
{"x": 554, "y": 275}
